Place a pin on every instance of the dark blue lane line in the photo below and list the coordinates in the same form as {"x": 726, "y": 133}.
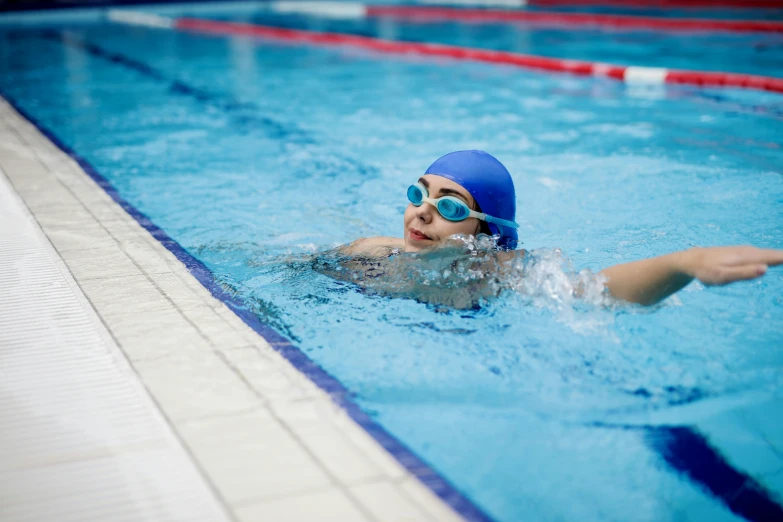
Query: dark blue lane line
{"x": 239, "y": 111}
{"x": 338, "y": 393}
{"x": 689, "y": 452}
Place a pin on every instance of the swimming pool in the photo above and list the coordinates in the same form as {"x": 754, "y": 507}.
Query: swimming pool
{"x": 254, "y": 155}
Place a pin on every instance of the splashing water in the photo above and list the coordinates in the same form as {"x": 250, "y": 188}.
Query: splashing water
{"x": 468, "y": 272}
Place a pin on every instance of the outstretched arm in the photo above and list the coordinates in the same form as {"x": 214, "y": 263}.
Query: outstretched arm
{"x": 651, "y": 280}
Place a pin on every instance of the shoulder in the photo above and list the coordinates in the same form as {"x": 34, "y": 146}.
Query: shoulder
{"x": 379, "y": 246}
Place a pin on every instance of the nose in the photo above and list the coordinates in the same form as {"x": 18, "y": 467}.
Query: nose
{"x": 424, "y": 212}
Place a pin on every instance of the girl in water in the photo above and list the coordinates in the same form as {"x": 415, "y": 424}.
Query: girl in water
{"x": 470, "y": 194}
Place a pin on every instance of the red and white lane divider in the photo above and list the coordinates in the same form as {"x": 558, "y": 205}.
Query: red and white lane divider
{"x": 663, "y": 4}
{"x": 567, "y": 19}
{"x": 631, "y": 75}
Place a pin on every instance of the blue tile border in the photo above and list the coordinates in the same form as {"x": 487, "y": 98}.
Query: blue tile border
{"x": 338, "y": 393}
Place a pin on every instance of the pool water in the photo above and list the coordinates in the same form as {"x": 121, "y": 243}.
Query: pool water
{"x": 256, "y": 156}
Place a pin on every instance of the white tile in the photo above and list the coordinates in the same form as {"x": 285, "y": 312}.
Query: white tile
{"x": 387, "y": 502}
{"x": 73, "y": 237}
{"x": 124, "y": 295}
{"x": 182, "y": 294}
{"x": 155, "y": 334}
{"x": 21, "y": 163}
{"x": 122, "y": 225}
{"x": 106, "y": 212}
{"x": 195, "y": 384}
{"x": 100, "y": 263}
{"x": 250, "y": 456}
{"x": 327, "y": 506}
{"x": 343, "y": 460}
{"x": 313, "y": 421}
{"x": 46, "y": 193}
{"x": 62, "y": 216}
{"x": 370, "y": 447}
{"x": 436, "y": 508}
{"x": 265, "y": 375}
{"x": 307, "y": 415}
{"x": 153, "y": 259}
{"x": 210, "y": 323}
{"x": 182, "y": 281}
{"x": 250, "y": 335}
{"x": 88, "y": 192}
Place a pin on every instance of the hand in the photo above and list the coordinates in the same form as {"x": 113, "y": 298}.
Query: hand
{"x": 723, "y": 265}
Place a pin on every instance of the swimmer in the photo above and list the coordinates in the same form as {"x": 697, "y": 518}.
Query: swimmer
{"x": 471, "y": 193}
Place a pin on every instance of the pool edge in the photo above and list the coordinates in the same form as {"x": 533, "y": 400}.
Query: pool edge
{"x": 414, "y": 467}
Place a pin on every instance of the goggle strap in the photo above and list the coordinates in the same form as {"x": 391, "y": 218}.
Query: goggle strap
{"x": 498, "y": 221}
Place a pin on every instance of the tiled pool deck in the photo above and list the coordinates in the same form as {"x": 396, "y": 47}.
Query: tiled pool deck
{"x": 242, "y": 434}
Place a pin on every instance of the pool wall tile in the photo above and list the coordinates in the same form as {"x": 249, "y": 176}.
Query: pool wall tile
{"x": 346, "y": 463}
{"x": 274, "y": 443}
{"x": 251, "y": 457}
{"x": 100, "y": 263}
{"x": 383, "y": 500}
{"x": 124, "y": 294}
{"x": 331, "y": 505}
{"x": 195, "y": 384}
{"x": 158, "y": 338}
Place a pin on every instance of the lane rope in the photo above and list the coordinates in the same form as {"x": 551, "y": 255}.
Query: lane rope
{"x": 629, "y": 74}
{"x": 588, "y": 20}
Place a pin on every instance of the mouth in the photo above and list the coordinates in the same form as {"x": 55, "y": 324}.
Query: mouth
{"x": 417, "y": 235}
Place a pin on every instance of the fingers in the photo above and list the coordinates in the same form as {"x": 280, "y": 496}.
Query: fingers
{"x": 772, "y": 257}
{"x": 739, "y": 256}
{"x": 740, "y": 273}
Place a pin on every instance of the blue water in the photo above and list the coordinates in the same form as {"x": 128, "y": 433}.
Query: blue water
{"x": 255, "y": 156}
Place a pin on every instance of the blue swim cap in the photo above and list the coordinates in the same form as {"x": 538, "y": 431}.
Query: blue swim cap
{"x": 488, "y": 182}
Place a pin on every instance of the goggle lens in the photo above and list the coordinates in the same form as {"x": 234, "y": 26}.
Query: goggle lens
{"x": 452, "y": 210}
{"x": 415, "y": 195}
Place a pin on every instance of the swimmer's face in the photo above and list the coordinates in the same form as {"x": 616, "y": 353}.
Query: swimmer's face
{"x": 425, "y": 227}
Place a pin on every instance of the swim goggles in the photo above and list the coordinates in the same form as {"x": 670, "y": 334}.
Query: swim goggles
{"x": 451, "y": 208}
